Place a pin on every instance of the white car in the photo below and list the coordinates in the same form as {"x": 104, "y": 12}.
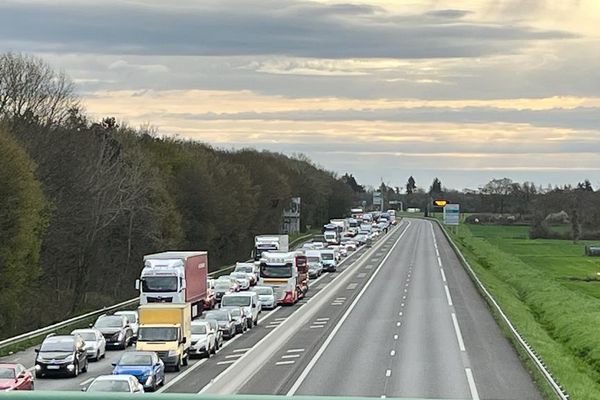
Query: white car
{"x": 242, "y": 279}
{"x": 132, "y": 316}
{"x": 248, "y": 301}
{"x": 266, "y": 296}
{"x": 115, "y": 384}
{"x": 203, "y": 339}
{"x": 95, "y": 343}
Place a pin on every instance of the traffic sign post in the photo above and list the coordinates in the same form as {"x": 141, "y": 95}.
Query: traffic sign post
{"x": 452, "y": 214}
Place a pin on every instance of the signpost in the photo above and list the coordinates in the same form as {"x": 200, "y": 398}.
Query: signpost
{"x": 377, "y": 199}
{"x": 452, "y": 214}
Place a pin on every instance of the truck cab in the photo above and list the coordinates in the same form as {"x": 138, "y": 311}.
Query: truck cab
{"x": 269, "y": 243}
{"x": 328, "y": 259}
{"x": 280, "y": 271}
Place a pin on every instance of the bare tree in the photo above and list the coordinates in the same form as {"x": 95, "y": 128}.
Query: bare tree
{"x": 30, "y": 88}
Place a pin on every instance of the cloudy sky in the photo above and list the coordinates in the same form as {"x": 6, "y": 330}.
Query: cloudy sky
{"x": 466, "y": 90}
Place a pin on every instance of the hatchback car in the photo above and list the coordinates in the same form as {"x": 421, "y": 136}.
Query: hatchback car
{"x": 225, "y": 321}
{"x": 116, "y": 330}
{"x": 115, "y": 384}
{"x": 239, "y": 318}
{"x": 242, "y": 279}
{"x": 61, "y": 355}
{"x": 146, "y": 366}
{"x": 266, "y": 296}
{"x": 132, "y": 317}
{"x": 203, "y": 339}
{"x": 214, "y": 327}
{"x": 15, "y": 377}
{"x": 95, "y": 343}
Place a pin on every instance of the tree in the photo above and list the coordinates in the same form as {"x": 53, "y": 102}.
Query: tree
{"x": 23, "y": 221}
{"x": 436, "y": 187}
{"x": 585, "y": 186}
{"x": 497, "y": 190}
{"x": 349, "y": 180}
{"x": 411, "y": 185}
{"x": 30, "y": 88}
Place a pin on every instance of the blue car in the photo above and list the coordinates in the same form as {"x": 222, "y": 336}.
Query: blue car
{"x": 146, "y": 366}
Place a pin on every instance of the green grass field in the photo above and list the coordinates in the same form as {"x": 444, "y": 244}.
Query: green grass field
{"x": 532, "y": 280}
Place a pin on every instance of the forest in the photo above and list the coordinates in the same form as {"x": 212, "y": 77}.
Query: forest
{"x": 82, "y": 200}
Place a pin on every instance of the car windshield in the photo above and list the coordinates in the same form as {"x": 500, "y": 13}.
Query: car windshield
{"x": 131, "y": 316}
{"x": 157, "y": 334}
{"x": 87, "y": 336}
{"x": 109, "y": 386}
{"x": 7, "y": 373}
{"x": 235, "y": 312}
{"x": 313, "y": 259}
{"x": 218, "y": 315}
{"x": 109, "y": 322}
{"x": 135, "y": 358}
{"x": 222, "y": 285}
{"x": 235, "y": 301}
{"x": 199, "y": 329}
{"x": 159, "y": 284}
{"x": 244, "y": 269}
{"x": 279, "y": 271}
{"x": 263, "y": 290}
{"x": 327, "y": 256}
{"x": 58, "y": 345}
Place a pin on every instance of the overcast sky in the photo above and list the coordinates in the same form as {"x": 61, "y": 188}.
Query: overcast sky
{"x": 465, "y": 90}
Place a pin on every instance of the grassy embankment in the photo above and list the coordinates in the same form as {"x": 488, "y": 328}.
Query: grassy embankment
{"x": 548, "y": 289}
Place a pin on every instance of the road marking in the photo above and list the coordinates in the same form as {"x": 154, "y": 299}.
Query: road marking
{"x": 291, "y": 356}
{"x": 401, "y": 304}
{"x": 439, "y": 261}
{"x": 295, "y": 351}
{"x": 319, "y": 323}
{"x": 323, "y": 319}
{"x": 280, "y": 319}
{"x": 315, "y": 326}
{"x": 406, "y": 284}
{"x": 361, "y": 275}
{"x": 226, "y": 362}
{"x": 395, "y": 337}
{"x": 461, "y": 343}
{"x": 403, "y": 297}
{"x": 398, "y": 323}
{"x": 234, "y": 355}
{"x": 351, "y": 286}
{"x": 340, "y": 298}
{"x": 448, "y": 295}
{"x": 199, "y": 363}
{"x": 87, "y": 381}
{"x": 369, "y": 267}
{"x": 241, "y": 350}
{"x": 405, "y": 290}
{"x": 437, "y": 253}
{"x": 337, "y": 327}
{"x": 443, "y": 274}
{"x": 393, "y": 353}
{"x": 471, "y": 382}
{"x": 400, "y": 313}
{"x": 388, "y": 373}
{"x": 284, "y": 362}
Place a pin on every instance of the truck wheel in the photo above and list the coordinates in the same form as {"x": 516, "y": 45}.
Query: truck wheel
{"x": 250, "y": 323}
{"x": 177, "y": 366}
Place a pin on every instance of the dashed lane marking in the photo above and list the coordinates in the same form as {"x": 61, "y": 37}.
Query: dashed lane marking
{"x": 226, "y": 362}
{"x": 295, "y": 351}
{"x": 351, "y": 286}
{"x": 290, "y": 356}
{"x": 284, "y": 362}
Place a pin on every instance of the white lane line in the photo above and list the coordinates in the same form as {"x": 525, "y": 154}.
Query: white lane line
{"x": 291, "y": 356}
{"x": 87, "y": 381}
{"x": 192, "y": 368}
{"x": 226, "y": 362}
{"x": 393, "y": 353}
{"x": 443, "y": 274}
{"x": 316, "y": 326}
{"x": 400, "y": 313}
{"x": 437, "y": 253}
{"x": 439, "y": 261}
{"x": 369, "y": 267}
{"x": 361, "y": 275}
{"x": 295, "y": 351}
{"x": 337, "y": 327}
{"x": 398, "y": 323}
{"x": 403, "y": 297}
{"x": 461, "y": 343}
{"x": 340, "y": 298}
{"x": 471, "y": 382}
{"x": 284, "y": 362}
{"x": 395, "y": 337}
{"x": 280, "y": 319}
{"x": 323, "y": 319}
{"x": 401, "y": 304}
{"x": 234, "y": 355}
{"x": 448, "y": 295}
{"x": 319, "y": 322}
{"x": 388, "y": 373}
{"x": 351, "y": 286}
{"x": 241, "y": 350}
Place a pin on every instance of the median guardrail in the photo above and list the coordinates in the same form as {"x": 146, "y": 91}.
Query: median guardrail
{"x": 9, "y": 345}
{"x": 529, "y": 351}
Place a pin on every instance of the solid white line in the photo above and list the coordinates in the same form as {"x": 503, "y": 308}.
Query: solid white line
{"x": 87, "y": 381}
{"x": 448, "y": 295}
{"x": 226, "y": 362}
{"x": 295, "y": 351}
{"x": 291, "y": 356}
{"x": 461, "y": 343}
{"x": 388, "y": 372}
{"x": 472, "y": 386}
{"x": 443, "y": 274}
{"x": 284, "y": 362}
{"x": 337, "y": 327}
{"x": 393, "y": 353}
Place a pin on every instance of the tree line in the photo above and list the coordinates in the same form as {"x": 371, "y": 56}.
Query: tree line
{"x": 81, "y": 201}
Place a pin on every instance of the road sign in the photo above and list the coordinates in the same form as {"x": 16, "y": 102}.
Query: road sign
{"x": 440, "y": 203}
{"x": 377, "y": 198}
{"x": 451, "y": 214}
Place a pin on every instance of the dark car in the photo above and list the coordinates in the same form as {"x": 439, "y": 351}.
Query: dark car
{"x": 116, "y": 330}
{"x": 224, "y": 319}
{"x": 61, "y": 355}
{"x": 239, "y": 317}
{"x": 222, "y": 287}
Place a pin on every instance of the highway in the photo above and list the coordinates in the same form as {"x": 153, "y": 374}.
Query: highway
{"x": 400, "y": 319}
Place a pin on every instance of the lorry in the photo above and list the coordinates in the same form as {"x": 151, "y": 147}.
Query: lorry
{"x": 176, "y": 277}
{"x": 342, "y": 223}
{"x": 356, "y": 213}
{"x": 264, "y": 243}
{"x": 332, "y": 233}
{"x": 166, "y": 329}
{"x": 286, "y": 273}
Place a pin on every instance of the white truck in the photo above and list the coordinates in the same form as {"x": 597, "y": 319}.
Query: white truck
{"x": 286, "y": 273}
{"x": 342, "y": 223}
{"x": 271, "y": 243}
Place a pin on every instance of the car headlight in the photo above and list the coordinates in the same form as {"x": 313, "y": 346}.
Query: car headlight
{"x": 149, "y": 379}
{"x": 172, "y": 353}
{"x": 70, "y": 358}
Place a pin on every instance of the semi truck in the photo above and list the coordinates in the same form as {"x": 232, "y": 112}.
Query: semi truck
{"x": 176, "y": 277}
{"x": 264, "y": 243}
{"x": 286, "y": 273}
{"x": 167, "y": 330}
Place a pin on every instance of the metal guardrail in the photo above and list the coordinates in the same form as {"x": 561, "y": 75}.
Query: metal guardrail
{"x": 71, "y": 321}
{"x": 531, "y": 353}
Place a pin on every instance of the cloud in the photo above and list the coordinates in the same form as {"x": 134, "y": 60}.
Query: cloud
{"x": 449, "y": 13}
{"x": 122, "y": 65}
{"x": 252, "y": 27}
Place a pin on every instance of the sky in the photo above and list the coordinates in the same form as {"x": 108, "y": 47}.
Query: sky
{"x": 463, "y": 90}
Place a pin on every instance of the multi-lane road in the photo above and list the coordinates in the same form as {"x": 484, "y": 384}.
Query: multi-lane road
{"x": 401, "y": 319}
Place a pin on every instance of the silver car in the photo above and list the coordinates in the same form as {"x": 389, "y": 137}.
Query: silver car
{"x": 95, "y": 343}
{"x": 203, "y": 339}
{"x": 115, "y": 384}
{"x": 266, "y": 296}
{"x": 132, "y": 316}
{"x": 242, "y": 279}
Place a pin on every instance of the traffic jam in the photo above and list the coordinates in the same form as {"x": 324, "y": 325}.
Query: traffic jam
{"x": 184, "y": 314}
